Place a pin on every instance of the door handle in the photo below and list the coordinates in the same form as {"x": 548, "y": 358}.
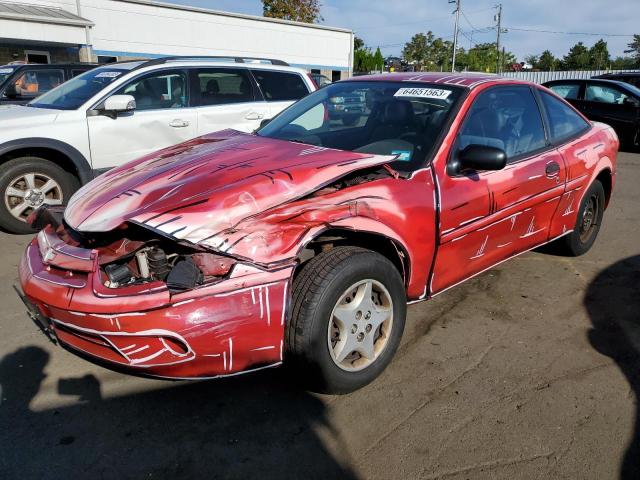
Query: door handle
{"x": 177, "y": 123}
{"x": 552, "y": 169}
{"x": 254, "y": 116}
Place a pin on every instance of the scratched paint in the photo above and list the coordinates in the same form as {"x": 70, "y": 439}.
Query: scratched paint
{"x": 259, "y": 202}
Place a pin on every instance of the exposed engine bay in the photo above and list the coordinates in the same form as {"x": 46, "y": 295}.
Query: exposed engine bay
{"x": 133, "y": 255}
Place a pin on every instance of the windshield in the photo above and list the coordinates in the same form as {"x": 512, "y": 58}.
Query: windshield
{"x": 5, "y": 72}
{"x": 70, "y": 95}
{"x": 387, "y": 118}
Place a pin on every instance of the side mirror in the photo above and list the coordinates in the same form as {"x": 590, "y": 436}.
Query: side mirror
{"x": 11, "y": 91}
{"x": 119, "y": 103}
{"x": 264, "y": 122}
{"x": 481, "y": 157}
{"x": 631, "y": 101}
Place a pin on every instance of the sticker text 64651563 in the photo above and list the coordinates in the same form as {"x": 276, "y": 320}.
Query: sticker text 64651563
{"x": 423, "y": 92}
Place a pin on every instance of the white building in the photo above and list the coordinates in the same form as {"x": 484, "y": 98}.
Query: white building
{"x": 108, "y": 30}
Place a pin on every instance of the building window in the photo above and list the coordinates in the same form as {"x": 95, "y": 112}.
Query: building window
{"x": 335, "y": 75}
{"x": 106, "y": 59}
{"x": 35, "y": 56}
{"x": 316, "y": 71}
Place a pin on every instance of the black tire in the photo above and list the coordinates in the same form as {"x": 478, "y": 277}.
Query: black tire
{"x": 581, "y": 240}
{"x": 42, "y": 168}
{"x": 316, "y": 290}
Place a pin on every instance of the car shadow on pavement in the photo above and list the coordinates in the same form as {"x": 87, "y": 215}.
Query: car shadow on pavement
{"x": 613, "y": 303}
{"x": 255, "y": 426}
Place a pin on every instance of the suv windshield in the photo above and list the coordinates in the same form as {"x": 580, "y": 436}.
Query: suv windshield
{"x": 70, "y": 95}
{"x": 387, "y": 118}
{"x": 5, "y": 72}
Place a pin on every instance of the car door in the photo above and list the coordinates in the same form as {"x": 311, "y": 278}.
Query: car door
{"x": 163, "y": 117}
{"x": 227, "y": 98}
{"x": 280, "y": 89}
{"x": 610, "y": 104}
{"x": 486, "y": 217}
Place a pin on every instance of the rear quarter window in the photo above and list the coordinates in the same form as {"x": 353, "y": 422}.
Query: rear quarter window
{"x": 280, "y": 86}
{"x": 563, "y": 121}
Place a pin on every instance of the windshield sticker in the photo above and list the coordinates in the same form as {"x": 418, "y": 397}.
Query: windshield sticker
{"x": 6, "y": 70}
{"x": 108, "y": 74}
{"x": 423, "y": 93}
{"x": 402, "y": 155}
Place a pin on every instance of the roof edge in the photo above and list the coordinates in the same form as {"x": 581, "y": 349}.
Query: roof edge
{"x": 174, "y": 6}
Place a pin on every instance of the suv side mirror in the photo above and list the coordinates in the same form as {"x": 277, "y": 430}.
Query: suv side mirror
{"x": 119, "y": 103}
{"x": 481, "y": 157}
{"x": 11, "y": 91}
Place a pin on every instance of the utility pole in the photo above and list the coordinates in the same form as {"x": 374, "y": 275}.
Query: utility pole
{"x": 499, "y": 29}
{"x": 455, "y": 33}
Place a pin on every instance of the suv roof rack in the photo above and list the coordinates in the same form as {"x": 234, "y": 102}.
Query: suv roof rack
{"x": 234, "y": 58}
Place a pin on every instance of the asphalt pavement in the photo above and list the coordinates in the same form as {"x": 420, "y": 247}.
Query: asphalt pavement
{"x": 529, "y": 371}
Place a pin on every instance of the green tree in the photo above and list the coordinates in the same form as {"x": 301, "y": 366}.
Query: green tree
{"x": 363, "y": 60}
{"x": 378, "y": 60}
{"x": 307, "y": 11}
{"x": 482, "y": 58}
{"x": 578, "y": 58}
{"x": 634, "y": 48}
{"x": 547, "y": 61}
{"x": 599, "y": 57}
{"x": 441, "y": 54}
{"x": 624, "y": 63}
{"x": 418, "y": 49}
{"x": 358, "y": 43}
{"x": 532, "y": 60}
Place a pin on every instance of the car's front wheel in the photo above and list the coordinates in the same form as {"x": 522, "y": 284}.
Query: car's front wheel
{"x": 27, "y": 183}
{"x": 347, "y": 318}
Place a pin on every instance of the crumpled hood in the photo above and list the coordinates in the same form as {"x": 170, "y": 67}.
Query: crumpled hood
{"x": 196, "y": 189}
{"x": 12, "y": 116}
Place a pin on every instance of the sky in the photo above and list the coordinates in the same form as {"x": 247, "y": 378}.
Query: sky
{"x": 389, "y": 24}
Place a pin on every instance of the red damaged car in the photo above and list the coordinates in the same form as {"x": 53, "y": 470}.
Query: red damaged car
{"x": 305, "y": 241}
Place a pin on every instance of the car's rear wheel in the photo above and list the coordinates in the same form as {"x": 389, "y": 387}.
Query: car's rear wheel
{"x": 347, "y": 319}
{"x": 587, "y": 226}
{"x": 27, "y": 183}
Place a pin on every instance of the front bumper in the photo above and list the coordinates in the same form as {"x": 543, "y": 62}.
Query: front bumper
{"x": 219, "y": 329}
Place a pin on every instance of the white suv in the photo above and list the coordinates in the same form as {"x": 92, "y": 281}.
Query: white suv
{"x": 121, "y": 111}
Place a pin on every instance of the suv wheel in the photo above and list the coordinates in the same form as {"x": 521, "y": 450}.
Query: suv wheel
{"x": 27, "y": 183}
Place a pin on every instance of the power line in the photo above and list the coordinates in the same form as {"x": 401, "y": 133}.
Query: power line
{"x": 570, "y": 33}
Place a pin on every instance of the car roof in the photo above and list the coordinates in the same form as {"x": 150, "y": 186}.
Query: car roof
{"x": 150, "y": 65}
{"x": 466, "y": 79}
{"x": 47, "y": 65}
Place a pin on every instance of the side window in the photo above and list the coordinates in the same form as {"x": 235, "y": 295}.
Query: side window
{"x": 280, "y": 86}
{"x": 566, "y": 90}
{"x": 506, "y": 118}
{"x": 36, "y": 82}
{"x": 221, "y": 86}
{"x": 604, "y": 94}
{"x": 166, "y": 89}
{"x": 75, "y": 73}
{"x": 563, "y": 121}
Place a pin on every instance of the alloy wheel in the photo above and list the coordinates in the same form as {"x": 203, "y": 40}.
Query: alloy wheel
{"x": 360, "y": 326}
{"x": 29, "y": 191}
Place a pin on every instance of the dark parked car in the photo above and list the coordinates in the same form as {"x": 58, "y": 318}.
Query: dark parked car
{"x": 21, "y": 83}
{"x": 614, "y": 103}
{"x": 629, "y": 77}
